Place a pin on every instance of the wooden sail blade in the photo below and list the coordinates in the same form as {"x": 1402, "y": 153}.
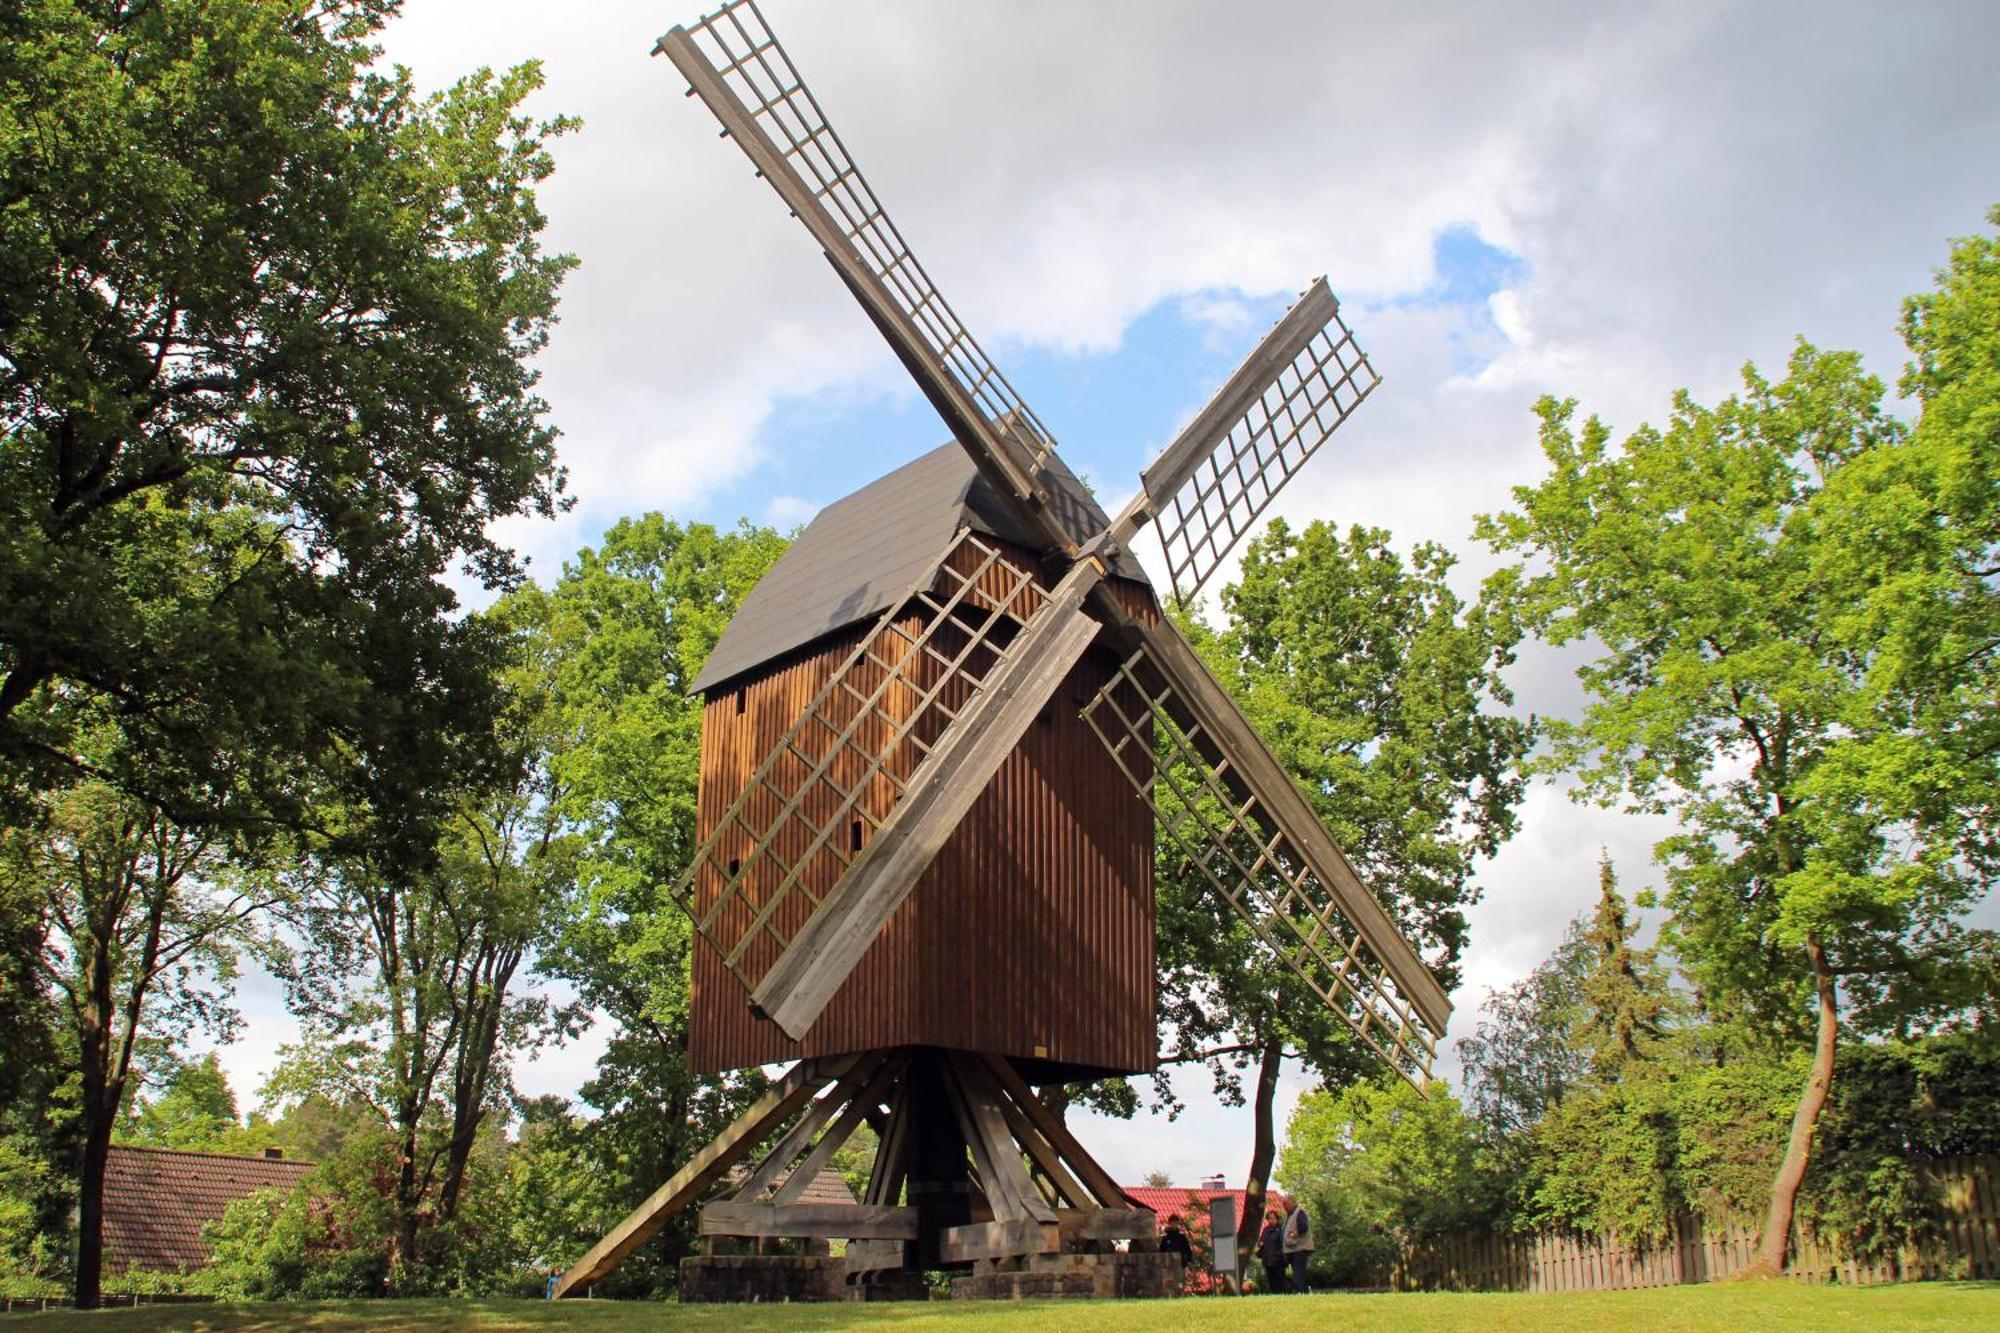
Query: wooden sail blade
{"x": 828, "y": 787}
{"x": 953, "y": 774}
{"x": 1210, "y": 485}
{"x": 734, "y": 63}
{"x": 1242, "y": 825}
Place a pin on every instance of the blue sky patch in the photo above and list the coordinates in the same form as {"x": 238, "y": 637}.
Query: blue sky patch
{"x": 1110, "y": 411}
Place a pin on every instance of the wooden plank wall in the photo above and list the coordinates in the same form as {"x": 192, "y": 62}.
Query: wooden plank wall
{"x": 1030, "y": 936}
{"x": 1967, "y": 1245}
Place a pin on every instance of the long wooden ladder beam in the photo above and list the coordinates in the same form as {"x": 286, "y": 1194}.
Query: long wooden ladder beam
{"x": 830, "y": 945}
{"x": 779, "y": 1102}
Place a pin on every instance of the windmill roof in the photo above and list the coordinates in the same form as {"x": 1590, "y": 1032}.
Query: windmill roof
{"x": 156, "y": 1202}
{"x": 860, "y": 554}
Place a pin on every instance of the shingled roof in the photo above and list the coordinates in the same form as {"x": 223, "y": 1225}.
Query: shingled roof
{"x": 863, "y": 552}
{"x": 826, "y": 1187}
{"x": 156, "y": 1201}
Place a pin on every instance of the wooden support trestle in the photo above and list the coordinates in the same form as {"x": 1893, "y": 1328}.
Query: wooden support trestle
{"x": 969, "y": 1167}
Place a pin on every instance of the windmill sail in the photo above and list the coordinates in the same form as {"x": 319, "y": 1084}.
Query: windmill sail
{"x": 736, "y": 66}
{"x": 1210, "y": 485}
{"x": 1241, "y": 825}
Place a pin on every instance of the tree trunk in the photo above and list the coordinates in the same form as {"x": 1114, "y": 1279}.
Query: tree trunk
{"x": 1264, "y": 1147}
{"x": 90, "y": 1212}
{"x": 1771, "y": 1252}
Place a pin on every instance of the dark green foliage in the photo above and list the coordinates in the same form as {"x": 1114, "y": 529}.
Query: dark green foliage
{"x": 1624, "y": 993}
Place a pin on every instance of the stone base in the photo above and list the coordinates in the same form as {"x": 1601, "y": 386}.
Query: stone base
{"x": 721, "y": 1278}
{"x": 890, "y": 1285}
{"x": 1076, "y": 1276}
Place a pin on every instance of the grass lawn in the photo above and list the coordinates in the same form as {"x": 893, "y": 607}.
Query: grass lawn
{"x": 1762, "y": 1307}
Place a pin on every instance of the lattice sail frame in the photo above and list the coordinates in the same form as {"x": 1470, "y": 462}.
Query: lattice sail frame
{"x": 1250, "y": 862}
{"x": 753, "y": 65}
{"x": 1261, "y": 451}
{"x": 847, "y": 761}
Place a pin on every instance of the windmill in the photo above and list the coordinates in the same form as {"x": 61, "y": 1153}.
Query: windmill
{"x": 940, "y": 742}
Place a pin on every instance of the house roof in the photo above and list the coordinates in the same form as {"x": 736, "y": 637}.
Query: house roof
{"x": 156, "y": 1201}
{"x": 860, "y": 554}
{"x": 1191, "y": 1205}
{"x": 826, "y": 1187}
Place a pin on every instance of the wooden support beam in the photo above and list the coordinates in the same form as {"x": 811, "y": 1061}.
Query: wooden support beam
{"x": 1094, "y": 1176}
{"x": 885, "y": 1178}
{"x": 1069, "y": 1190}
{"x": 858, "y": 1107}
{"x": 986, "y": 1131}
{"x": 830, "y": 945}
{"x": 780, "y": 1101}
{"x": 1107, "y": 1223}
{"x": 854, "y": 1221}
{"x": 999, "y": 1240}
{"x": 794, "y": 1142}
{"x": 870, "y": 1256}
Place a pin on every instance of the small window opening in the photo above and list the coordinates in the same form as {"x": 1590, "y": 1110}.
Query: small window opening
{"x": 734, "y": 866}
{"x": 739, "y": 701}
{"x": 854, "y": 836}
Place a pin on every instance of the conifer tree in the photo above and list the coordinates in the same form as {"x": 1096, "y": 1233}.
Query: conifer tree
{"x": 1625, "y": 992}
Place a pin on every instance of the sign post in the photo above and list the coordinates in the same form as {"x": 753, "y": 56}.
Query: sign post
{"x": 1222, "y": 1239}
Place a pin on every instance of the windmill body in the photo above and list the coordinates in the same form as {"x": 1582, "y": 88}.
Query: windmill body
{"x": 1030, "y": 936}
{"x": 943, "y": 741}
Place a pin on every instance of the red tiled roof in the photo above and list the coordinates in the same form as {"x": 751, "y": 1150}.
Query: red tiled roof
{"x": 156, "y": 1201}
{"x": 1191, "y": 1205}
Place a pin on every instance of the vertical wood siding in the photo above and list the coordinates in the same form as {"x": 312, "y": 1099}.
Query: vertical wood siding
{"x": 1031, "y": 935}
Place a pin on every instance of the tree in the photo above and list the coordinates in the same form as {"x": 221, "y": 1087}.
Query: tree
{"x": 1384, "y": 1168}
{"x": 145, "y": 920}
{"x": 1624, "y": 994}
{"x": 1795, "y": 626}
{"x": 1523, "y": 1058}
{"x": 265, "y": 323}
{"x": 196, "y": 1110}
{"x": 410, "y": 1001}
{"x": 617, "y": 639}
{"x": 1381, "y": 691}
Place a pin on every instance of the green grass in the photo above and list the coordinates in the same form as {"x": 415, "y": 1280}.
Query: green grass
{"x": 1760, "y": 1307}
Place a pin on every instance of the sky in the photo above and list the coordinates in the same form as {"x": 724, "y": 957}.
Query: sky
{"x": 1605, "y": 202}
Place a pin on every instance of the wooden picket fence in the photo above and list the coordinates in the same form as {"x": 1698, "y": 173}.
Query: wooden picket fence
{"x": 1966, "y": 1244}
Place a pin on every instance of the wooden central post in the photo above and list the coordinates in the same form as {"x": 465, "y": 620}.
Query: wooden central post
{"x": 940, "y": 1186}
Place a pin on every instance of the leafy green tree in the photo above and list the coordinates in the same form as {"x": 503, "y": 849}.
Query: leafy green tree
{"x": 410, "y": 1001}
{"x": 265, "y": 323}
{"x": 145, "y": 922}
{"x": 196, "y": 1110}
{"x": 37, "y": 1093}
{"x": 1380, "y": 690}
{"x": 1522, "y": 1058}
{"x": 617, "y": 639}
{"x": 1794, "y": 627}
{"x": 1383, "y": 1168}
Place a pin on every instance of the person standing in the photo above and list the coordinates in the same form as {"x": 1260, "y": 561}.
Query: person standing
{"x": 1175, "y": 1241}
{"x": 1298, "y": 1244}
{"x": 1271, "y": 1250}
